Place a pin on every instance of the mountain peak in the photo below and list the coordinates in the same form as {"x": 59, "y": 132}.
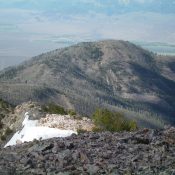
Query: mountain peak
{"x": 112, "y": 73}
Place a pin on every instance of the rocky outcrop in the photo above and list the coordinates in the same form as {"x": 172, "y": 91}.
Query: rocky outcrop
{"x": 31, "y": 117}
{"x": 66, "y": 122}
{"x": 13, "y": 118}
{"x": 14, "y": 121}
{"x": 143, "y": 152}
{"x": 6, "y": 117}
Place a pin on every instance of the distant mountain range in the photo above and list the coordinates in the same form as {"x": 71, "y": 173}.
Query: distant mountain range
{"x": 112, "y": 74}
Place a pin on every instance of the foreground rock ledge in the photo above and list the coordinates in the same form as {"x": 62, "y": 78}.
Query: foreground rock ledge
{"x": 144, "y": 152}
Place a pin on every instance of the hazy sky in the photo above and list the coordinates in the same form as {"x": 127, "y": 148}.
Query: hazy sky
{"x": 30, "y": 27}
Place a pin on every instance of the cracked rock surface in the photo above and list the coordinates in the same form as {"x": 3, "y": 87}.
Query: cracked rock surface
{"x": 144, "y": 152}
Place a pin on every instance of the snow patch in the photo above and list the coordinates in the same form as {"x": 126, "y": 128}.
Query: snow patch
{"x": 31, "y": 130}
{"x": 29, "y": 123}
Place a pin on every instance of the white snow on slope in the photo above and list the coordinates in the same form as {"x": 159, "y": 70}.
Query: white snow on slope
{"x": 31, "y": 131}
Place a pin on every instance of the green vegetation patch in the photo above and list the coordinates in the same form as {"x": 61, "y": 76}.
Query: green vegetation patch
{"x": 8, "y": 131}
{"x": 3, "y": 104}
{"x": 106, "y": 120}
{"x": 71, "y": 112}
{"x": 54, "y": 109}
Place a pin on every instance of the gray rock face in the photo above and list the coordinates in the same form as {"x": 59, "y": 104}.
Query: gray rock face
{"x": 145, "y": 152}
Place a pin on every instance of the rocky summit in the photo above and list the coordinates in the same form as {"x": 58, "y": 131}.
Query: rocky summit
{"x": 144, "y": 152}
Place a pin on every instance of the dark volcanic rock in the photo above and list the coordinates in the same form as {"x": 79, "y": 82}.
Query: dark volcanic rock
{"x": 145, "y": 152}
